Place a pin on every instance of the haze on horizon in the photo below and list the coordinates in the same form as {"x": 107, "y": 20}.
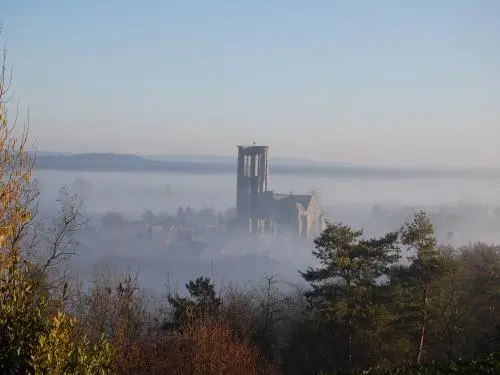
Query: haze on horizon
{"x": 378, "y": 83}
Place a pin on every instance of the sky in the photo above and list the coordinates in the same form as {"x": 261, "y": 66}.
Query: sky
{"x": 388, "y": 82}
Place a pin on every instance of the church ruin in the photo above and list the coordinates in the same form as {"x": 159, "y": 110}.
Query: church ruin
{"x": 264, "y": 211}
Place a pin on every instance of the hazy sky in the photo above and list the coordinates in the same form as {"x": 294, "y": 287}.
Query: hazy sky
{"x": 372, "y": 82}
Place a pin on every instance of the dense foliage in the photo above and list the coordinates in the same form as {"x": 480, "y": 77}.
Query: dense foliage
{"x": 488, "y": 365}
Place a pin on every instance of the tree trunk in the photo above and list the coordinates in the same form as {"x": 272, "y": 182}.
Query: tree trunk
{"x": 349, "y": 322}
{"x": 451, "y": 347}
{"x": 422, "y": 331}
{"x": 349, "y": 344}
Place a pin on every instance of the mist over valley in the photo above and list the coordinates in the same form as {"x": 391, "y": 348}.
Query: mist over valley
{"x": 463, "y": 211}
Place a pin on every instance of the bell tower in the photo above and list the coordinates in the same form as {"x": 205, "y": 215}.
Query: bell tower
{"x": 251, "y": 180}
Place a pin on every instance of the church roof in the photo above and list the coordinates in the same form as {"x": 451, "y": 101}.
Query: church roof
{"x": 283, "y": 204}
{"x": 294, "y": 199}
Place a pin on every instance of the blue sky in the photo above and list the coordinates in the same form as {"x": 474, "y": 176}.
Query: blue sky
{"x": 371, "y": 82}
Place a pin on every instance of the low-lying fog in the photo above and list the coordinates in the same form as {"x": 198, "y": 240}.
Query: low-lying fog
{"x": 133, "y": 193}
{"x": 463, "y": 211}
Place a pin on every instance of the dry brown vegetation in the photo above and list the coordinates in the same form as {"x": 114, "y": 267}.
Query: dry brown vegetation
{"x": 206, "y": 346}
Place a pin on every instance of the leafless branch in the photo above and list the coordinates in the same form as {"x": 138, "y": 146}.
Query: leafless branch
{"x": 61, "y": 242}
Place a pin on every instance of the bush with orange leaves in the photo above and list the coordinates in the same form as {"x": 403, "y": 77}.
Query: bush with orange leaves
{"x": 206, "y": 346}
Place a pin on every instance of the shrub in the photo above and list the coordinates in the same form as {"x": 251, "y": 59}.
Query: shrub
{"x": 61, "y": 349}
{"x": 207, "y": 346}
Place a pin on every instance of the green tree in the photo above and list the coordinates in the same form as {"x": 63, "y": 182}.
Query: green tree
{"x": 449, "y": 307}
{"x": 424, "y": 272}
{"x": 480, "y": 274}
{"x": 202, "y": 301}
{"x": 344, "y": 284}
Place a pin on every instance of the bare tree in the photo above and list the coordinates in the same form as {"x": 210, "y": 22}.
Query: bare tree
{"x": 23, "y": 231}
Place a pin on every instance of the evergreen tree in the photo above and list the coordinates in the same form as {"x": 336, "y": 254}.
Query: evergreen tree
{"x": 344, "y": 284}
{"x": 202, "y": 301}
{"x": 423, "y": 273}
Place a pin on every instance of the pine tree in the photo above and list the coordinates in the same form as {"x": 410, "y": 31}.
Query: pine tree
{"x": 345, "y": 282}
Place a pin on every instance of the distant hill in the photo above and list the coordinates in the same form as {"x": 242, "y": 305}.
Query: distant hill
{"x": 49, "y": 153}
{"x": 228, "y": 159}
{"x": 227, "y": 165}
{"x": 121, "y": 162}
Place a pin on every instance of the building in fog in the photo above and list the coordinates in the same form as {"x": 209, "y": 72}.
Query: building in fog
{"x": 264, "y": 211}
